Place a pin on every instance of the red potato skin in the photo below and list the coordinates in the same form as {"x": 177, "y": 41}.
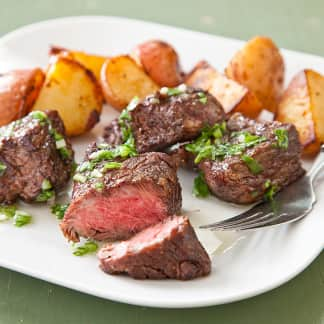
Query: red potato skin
{"x": 18, "y": 91}
{"x": 160, "y": 61}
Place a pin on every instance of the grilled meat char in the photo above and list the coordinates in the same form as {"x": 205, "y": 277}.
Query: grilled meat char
{"x": 169, "y": 249}
{"x": 29, "y": 156}
{"x": 231, "y": 179}
{"x": 143, "y": 191}
{"x": 161, "y": 120}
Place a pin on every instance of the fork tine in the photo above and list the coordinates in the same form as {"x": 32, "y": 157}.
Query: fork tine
{"x": 252, "y": 212}
{"x": 257, "y": 218}
{"x": 283, "y": 218}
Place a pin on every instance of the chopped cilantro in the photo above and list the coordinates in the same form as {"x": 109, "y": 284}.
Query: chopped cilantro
{"x": 248, "y": 139}
{"x": 209, "y": 144}
{"x": 282, "y": 138}
{"x": 252, "y": 164}
{"x": 59, "y": 210}
{"x": 200, "y": 188}
{"x": 87, "y": 247}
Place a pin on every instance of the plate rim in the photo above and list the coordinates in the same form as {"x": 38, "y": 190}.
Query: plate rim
{"x": 210, "y": 301}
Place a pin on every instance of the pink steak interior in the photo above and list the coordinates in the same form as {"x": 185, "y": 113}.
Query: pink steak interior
{"x": 120, "y": 213}
{"x": 149, "y": 237}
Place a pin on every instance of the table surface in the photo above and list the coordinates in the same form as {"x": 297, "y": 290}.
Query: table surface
{"x": 293, "y": 24}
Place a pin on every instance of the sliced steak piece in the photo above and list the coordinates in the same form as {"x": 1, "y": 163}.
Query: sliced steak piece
{"x": 232, "y": 180}
{"x": 141, "y": 193}
{"x": 161, "y": 120}
{"x": 169, "y": 249}
{"x": 36, "y": 158}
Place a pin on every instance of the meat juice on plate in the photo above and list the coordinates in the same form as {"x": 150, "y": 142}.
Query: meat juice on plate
{"x": 208, "y": 210}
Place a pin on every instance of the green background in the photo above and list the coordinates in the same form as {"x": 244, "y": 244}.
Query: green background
{"x": 294, "y": 24}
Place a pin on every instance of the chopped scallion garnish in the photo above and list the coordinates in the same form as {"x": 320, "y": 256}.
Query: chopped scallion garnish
{"x": 111, "y": 165}
{"x": 202, "y": 97}
{"x": 99, "y": 186}
{"x": 60, "y": 143}
{"x": 39, "y": 115}
{"x": 46, "y": 185}
{"x": 7, "y": 212}
{"x": 21, "y": 218}
{"x": 78, "y": 177}
{"x": 59, "y": 210}
{"x": 271, "y": 190}
{"x": 96, "y": 174}
{"x": 86, "y": 248}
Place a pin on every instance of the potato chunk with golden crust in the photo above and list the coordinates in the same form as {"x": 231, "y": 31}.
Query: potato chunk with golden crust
{"x": 73, "y": 91}
{"x": 122, "y": 79}
{"x": 90, "y": 61}
{"x": 303, "y": 105}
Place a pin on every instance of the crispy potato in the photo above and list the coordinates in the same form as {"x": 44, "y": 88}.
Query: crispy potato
{"x": 160, "y": 61}
{"x": 260, "y": 67}
{"x": 302, "y": 105}
{"x": 90, "y": 61}
{"x": 18, "y": 92}
{"x": 122, "y": 79}
{"x": 233, "y": 96}
{"x": 73, "y": 91}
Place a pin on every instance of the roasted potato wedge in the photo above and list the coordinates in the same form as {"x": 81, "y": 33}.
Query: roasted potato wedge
{"x": 233, "y": 96}
{"x": 73, "y": 91}
{"x": 260, "y": 67}
{"x": 160, "y": 61}
{"x": 18, "y": 92}
{"x": 303, "y": 105}
{"x": 90, "y": 61}
{"x": 122, "y": 79}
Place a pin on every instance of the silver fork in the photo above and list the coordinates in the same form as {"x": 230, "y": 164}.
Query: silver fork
{"x": 289, "y": 205}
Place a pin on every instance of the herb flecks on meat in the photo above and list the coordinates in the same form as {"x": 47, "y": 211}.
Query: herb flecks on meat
{"x": 107, "y": 155}
{"x": 215, "y": 143}
{"x": 59, "y": 138}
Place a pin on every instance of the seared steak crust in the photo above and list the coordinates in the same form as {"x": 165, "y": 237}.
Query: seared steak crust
{"x": 230, "y": 179}
{"x": 29, "y": 153}
{"x": 142, "y": 192}
{"x": 167, "y": 250}
{"x": 161, "y": 120}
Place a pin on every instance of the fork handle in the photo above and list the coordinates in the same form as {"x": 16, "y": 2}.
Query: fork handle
{"x": 317, "y": 165}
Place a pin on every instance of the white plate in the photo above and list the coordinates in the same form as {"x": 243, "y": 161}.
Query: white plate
{"x": 261, "y": 261}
